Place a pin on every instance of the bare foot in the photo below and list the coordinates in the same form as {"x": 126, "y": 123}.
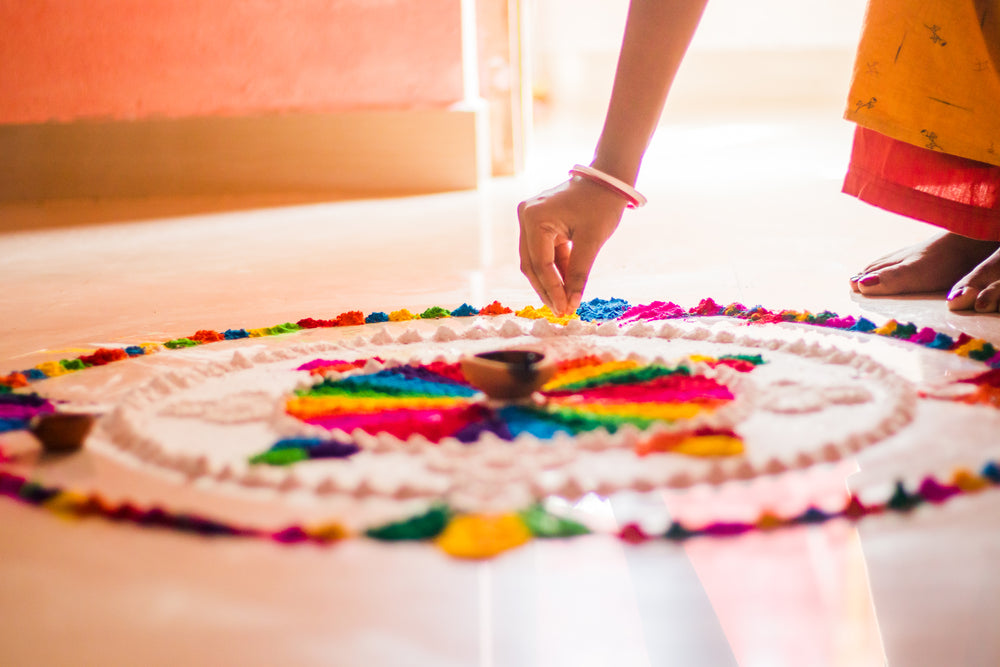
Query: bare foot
{"x": 980, "y": 289}
{"x": 933, "y": 266}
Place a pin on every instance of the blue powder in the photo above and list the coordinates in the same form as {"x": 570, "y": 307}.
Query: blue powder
{"x": 465, "y": 310}
{"x": 134, "y": 351}
{"x": 332, "y": 449}
{"x": 812, "y": 515}
{"x": 296, "y": 443}
{"x": 863, "y": 325}
{"x": 991, "y": 471}
{"x": 941, "y": 342}
{"x": 36, "y": 493}
{"x": 12, "y": 424}
{"x": 420, "y": 373}
{"x": 34, "y": 374}
{"x": 374, "y": 318}
{"x": 29, "y": 400}
{"x": 601, "y": 309}
{"x": 520, "y": 421}
{"x": 235, "y": 334}
{"x": 493, "y": 424}
{"x": 391, "y": 383}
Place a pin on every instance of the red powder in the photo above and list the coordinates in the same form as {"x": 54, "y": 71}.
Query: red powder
{"x": 434, "y": 425}
{"x": 207, "y": 336}
{"x": 633, "y": 534}
{"x": 741, "y": 365}
{"x": 962, "y": 340}
{"x": 984, "y": 395}
{"x": 450, "y": 371}
{"x": 104, "y": 356}
{"x": 855, "y": 509}
{"x": 350, "y": 318}
{"x": 95, "y": 504}
{"x": 495, "y": 308}
{"x": 14, "y": 380}
{"x": 767, "y": 317}
{"x": 988, "y": 379}
{"x": 707, "y": 307}
{"x": 310, "y": 323}
{"x": 667, "y": 389}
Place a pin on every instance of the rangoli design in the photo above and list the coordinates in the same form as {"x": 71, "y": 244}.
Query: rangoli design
{"x": 435, "y": 401}
{"x": 350, "y": 408}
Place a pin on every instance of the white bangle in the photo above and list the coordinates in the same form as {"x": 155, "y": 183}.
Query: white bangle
{"x": 620, "y": 187}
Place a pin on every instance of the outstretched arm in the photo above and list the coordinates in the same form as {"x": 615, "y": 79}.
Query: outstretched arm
{"x": 564, "y": 228}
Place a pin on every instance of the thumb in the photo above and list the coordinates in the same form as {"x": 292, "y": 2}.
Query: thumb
{"x": 581, "y": 260}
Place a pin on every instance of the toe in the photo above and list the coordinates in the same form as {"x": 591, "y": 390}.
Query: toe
{"x": 871, "y": 284}
{"x": 980, "y": 289}
{"x": 898, "y": 279}
{"x": 988, "y": 300}
{"x": 868, "y": 279}
{"x": 962, "y": 297}
{"x": 933, "y": 267}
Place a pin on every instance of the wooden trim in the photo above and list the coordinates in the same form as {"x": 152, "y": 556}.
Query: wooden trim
{"x": 363, "y": 153}
{"x": 504, "y": 81}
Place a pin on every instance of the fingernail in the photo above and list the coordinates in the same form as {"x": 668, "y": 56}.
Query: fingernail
{"x": 957, "y": 292}
{"x": 856, "y": 277}
{"x": 870, "y": 280}
{"x": 574, "y": 302}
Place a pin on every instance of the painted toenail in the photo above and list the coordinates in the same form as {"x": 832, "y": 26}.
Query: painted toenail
{"x": 957, "y": 292}
{"x": 870, "y": 280}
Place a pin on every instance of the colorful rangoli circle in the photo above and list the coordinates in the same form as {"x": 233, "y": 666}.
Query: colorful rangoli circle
{"x": 435, "y": 401}
{"x": 359, "y": 406}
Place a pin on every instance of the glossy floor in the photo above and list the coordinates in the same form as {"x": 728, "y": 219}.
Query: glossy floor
{"x": 741, "y": 209}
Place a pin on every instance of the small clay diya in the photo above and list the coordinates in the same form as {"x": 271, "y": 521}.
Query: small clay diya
{"x": 62, "y": 431}
{"x": 508, "y": 374}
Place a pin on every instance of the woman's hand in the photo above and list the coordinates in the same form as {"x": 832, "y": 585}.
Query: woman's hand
{"x": 562, "y": 230}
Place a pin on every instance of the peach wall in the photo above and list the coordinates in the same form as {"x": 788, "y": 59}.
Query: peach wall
{"x": 128, "y": 59}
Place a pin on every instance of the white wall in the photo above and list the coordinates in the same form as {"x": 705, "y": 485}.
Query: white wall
{"x": 779, "y": 25}
{"x": 576, "y": 42}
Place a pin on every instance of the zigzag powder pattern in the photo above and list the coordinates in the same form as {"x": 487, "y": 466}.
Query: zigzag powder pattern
{"x": 655, "y": 311}
{"x": 540, "y": 524}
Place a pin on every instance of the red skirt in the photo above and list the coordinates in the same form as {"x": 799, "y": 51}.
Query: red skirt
{"x": 958, "y": 194}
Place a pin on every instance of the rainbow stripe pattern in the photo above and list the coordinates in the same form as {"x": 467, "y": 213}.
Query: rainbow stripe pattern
{"x": 435, "y": 401}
